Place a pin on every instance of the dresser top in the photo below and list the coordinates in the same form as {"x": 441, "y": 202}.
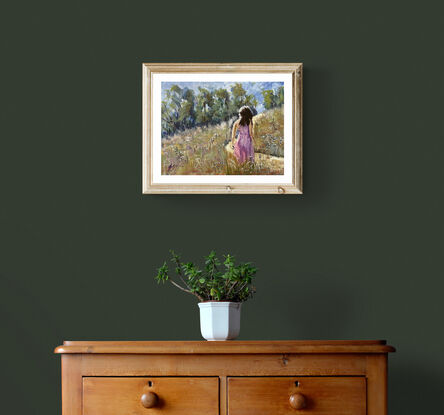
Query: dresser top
{"x": 225, "y": 347}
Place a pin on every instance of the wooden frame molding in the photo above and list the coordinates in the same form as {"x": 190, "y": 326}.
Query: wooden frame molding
{"x": 295, "y": 187}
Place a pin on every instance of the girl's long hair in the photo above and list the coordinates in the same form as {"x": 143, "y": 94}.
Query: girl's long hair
{"x": 246, "y": 115}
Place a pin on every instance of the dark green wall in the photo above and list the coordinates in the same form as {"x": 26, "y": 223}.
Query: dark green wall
{"x": 358, "y": 256}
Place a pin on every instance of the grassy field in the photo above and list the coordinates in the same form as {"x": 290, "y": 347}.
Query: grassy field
{"x": 201, "y": 151}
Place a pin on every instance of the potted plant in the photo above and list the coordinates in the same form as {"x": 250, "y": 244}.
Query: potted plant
{"x": 220, "y": 287}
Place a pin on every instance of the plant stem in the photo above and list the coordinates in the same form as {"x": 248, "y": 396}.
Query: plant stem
{"x": 186, "y": 285}
{"x": 229, "y": 291}
{"x": 212, "y": 275}
{"x": 185, "y": 290}
{"x": 179, "y": 272}
{"x": 243, "y": 286}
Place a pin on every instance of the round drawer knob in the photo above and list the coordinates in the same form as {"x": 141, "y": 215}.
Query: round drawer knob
{"x": 149, "y": 400}
{"x": 298, "y": 401}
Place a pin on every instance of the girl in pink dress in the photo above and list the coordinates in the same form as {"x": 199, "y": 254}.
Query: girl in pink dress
{"x": 243, "y": 148}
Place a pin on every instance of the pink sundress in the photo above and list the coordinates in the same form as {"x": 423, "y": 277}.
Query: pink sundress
{"x": 243, "y": 148}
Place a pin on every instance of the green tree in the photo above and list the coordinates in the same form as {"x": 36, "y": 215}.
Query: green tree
{"x": 187, "y": 113}
{"x": 272, "y": 98}
{"x": 204, "y": 110}
{"x": 178, "y": 110}
{"x": 240, "y": 98}
{"x": 238, "y": 94}
{"x": 269, "y": 98}
{"x": 171, "y": 106}
{"x": 221, "y": 105}
{"x": 280, "y": 96}
{"x": 167, "y": 120}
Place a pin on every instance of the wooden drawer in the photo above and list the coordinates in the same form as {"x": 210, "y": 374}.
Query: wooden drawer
{"x": 322, "y": 395}
{"x": 175, "y": 395}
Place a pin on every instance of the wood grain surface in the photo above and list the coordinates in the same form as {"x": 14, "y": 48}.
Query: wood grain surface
{"x": 176, "y": 396}
{"x": 271, "y": 395}
{"x": 228, "y": 347}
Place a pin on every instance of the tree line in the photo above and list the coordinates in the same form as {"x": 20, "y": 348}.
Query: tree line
{"x": 182, "y": 108}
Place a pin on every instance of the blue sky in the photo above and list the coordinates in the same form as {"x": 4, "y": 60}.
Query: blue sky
{"x": 254, "y": 88}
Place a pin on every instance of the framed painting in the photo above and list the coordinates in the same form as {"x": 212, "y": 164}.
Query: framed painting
{"x": 222, "y": 128}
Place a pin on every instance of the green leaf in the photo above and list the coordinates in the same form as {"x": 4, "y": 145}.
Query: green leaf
{"x": 234, "y": 284}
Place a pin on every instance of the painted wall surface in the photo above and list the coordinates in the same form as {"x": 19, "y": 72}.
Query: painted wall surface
{"x": 358, "y": 256}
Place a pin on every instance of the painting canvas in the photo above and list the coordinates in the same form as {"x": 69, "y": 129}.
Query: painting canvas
{"x": 218, "y": 128}
{"x": 202, "y": 132}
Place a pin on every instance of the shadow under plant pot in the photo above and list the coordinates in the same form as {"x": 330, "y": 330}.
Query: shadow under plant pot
{"x": 220, "y": 320}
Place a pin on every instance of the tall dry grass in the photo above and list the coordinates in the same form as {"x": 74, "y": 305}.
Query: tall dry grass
{"x": 201, "y": 150}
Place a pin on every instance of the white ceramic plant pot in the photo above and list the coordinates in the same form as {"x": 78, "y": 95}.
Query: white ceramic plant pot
{"x": 219, "y": 320}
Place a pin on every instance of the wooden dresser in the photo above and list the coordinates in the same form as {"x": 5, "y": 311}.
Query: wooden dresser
{"x": 224, "y": 378}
